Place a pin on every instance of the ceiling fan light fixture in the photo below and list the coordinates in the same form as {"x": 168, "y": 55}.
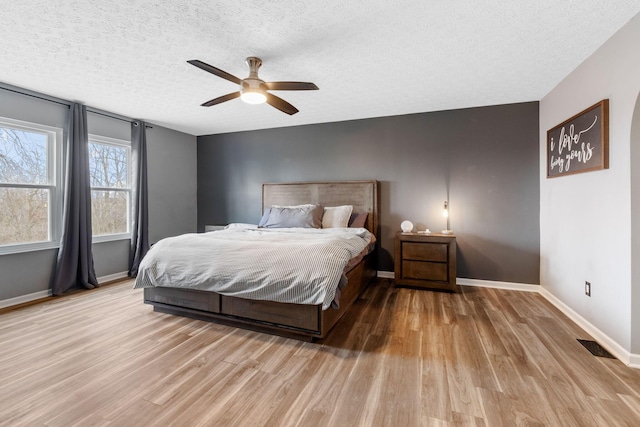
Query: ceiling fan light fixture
{"x": 253, "y": 95}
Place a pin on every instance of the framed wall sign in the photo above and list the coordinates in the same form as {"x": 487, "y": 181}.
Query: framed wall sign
{"x": 580, "y": 144}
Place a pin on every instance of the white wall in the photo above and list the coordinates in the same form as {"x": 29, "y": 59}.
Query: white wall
{"x": 585, "y": 219}
{"x": 635, "y": 231}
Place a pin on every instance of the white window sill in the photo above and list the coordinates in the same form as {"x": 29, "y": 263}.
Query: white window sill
{"x": 28, "y": 247}
{"x": 43, "y": 246}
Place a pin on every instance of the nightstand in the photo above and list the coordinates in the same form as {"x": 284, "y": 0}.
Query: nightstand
{"x": 208, "y": 228}
{"x": 426, "y": 260}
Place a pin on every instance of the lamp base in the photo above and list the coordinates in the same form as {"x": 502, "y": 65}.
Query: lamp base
{"x": 447, "y": 231}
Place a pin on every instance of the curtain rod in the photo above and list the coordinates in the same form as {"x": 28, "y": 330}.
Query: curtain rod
{"x": 68, "y": 104}
{"x": 135, "y": 122}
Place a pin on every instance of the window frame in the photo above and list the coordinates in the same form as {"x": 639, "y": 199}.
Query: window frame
{"x": 53, "y": 185}
{"x": 99, "y": 139}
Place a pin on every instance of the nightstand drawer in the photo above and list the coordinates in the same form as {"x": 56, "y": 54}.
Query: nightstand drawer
{"x": 436, "y": 252}
{"x": 421, "y": 270}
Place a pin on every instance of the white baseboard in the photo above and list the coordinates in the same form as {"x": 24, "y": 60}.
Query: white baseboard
{"x": 479, "y": 283}
{"x": 386, "y": 274}
{"x": 603, "y": 339}
{"x": 112, "y": 277}
{"x": 634, "y": 360}
{"x": 630, "y": 359}
{"x": 44, "y": 294}
{"x": 25, "y": 298}
{"x": 512, "y": 286}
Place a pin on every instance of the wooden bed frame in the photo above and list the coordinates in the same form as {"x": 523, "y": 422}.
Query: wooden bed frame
{"x": 299, "y": 321}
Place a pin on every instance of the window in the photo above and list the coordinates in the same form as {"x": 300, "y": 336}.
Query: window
{"x": 31, "y": 186}
{"x": 110, "y": 176}
{"x": 30, "y": 196}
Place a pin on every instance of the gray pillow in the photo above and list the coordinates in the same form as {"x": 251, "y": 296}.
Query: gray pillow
{"x": 358, "y": 219}
{"x": 301, "y": 217}
{"x": 264, "y": 218}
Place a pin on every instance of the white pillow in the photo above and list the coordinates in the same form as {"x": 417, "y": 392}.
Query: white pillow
{"x": 336, "y": 216}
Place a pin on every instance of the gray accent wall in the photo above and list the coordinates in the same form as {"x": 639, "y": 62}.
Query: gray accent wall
{"x": 485, "y": 161}
{"x": 172, "y": 193}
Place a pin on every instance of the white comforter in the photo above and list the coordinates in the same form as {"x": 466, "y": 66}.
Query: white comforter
{"x": 294, "y": 265}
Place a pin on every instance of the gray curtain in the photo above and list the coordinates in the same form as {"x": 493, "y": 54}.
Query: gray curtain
{"x": 74, "y": 265}
{"x": 140, "y": 208}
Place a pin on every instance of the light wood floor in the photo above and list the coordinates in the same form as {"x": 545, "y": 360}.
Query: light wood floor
{"x": 400, "y": 357}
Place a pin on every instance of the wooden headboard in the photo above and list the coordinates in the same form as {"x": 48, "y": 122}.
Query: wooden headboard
{"x": 363, "y": 195}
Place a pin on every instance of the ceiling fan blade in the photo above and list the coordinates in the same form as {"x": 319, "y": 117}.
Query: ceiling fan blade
{"x": 221, "y": 99}
{"x": 281, "y": 104}
{"x": 291, "y": 86}
{"x": 216, "y": 71}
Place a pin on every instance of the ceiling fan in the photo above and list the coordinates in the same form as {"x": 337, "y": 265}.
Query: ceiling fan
{"x": 253, "y": 90}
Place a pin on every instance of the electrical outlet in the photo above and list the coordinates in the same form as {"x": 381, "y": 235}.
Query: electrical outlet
{"x": 587, "y": 288}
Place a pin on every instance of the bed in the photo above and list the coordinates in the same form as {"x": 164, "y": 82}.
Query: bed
{"x": 301, "y": 321}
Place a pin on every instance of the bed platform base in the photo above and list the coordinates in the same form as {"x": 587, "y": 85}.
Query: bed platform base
{"x": 304, "y": 322}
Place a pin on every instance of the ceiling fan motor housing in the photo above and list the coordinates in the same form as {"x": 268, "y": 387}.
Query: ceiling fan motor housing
{"x": 252, "y": 89}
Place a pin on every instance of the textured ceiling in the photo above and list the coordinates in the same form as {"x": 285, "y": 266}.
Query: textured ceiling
{"x": 370, "y": 58}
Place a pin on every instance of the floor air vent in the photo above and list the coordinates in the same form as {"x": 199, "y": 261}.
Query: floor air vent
{"x": 596, "y": 349}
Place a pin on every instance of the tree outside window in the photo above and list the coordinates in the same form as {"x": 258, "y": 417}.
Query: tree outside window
{"x": 27, "y": 183}
{"x": 109, "y": 166}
